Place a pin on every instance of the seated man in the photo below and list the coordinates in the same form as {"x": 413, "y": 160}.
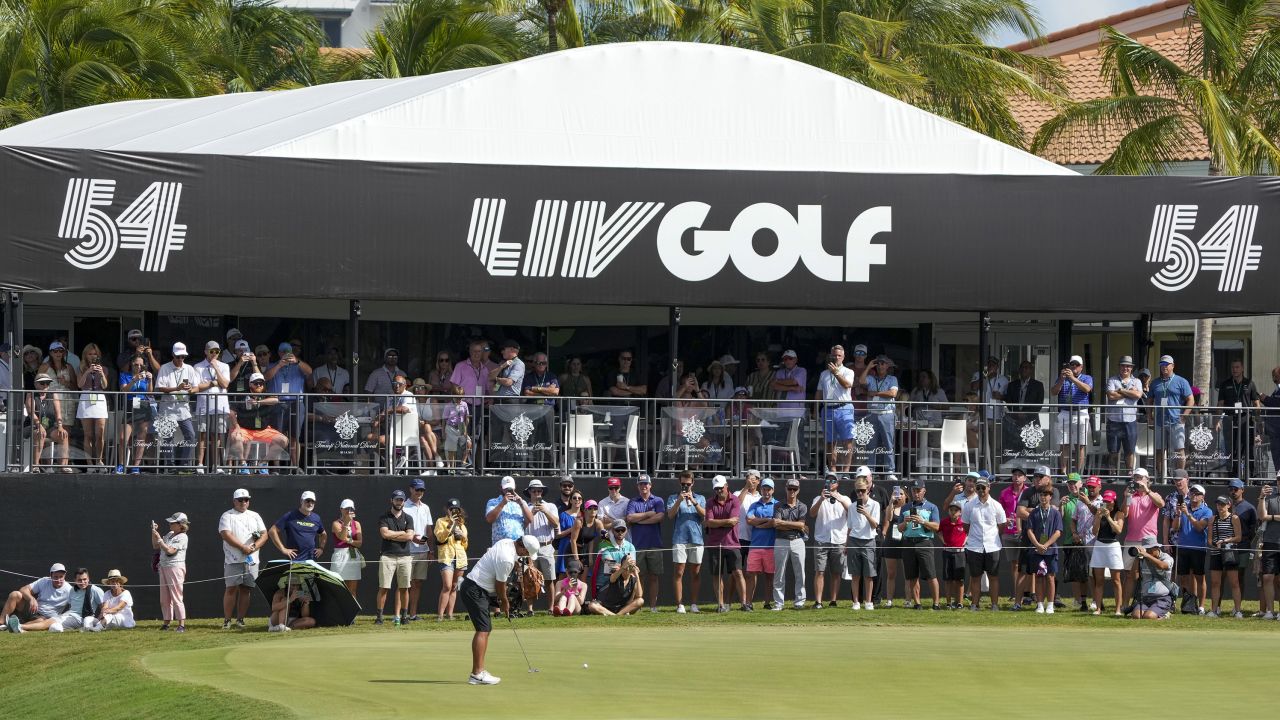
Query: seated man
{"x": 291, "y": 606}
{"x": 253, "y": 416}
{"x": 38, "y": 605}
{"x": 83, "y": 608}
{"x": 622, "y": 594}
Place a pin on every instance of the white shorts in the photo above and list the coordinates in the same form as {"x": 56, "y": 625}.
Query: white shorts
{"x": 685, "y": 554}
{"x": 344, "y": 565}
{"x": 92, "y": 410}
{"x": 1073, "y": 427}
{"x": 1107, "y": 556}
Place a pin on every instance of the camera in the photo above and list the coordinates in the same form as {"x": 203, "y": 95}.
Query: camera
{"x": 831, "y": 359}
{"x": 1133, "y": 552}
{"x": 1133, "y": 486}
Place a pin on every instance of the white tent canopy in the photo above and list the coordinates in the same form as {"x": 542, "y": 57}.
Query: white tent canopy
{"x": 642, "y": 105}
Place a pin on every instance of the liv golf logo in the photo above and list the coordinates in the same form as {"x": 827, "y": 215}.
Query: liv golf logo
{"x": 1227, "y": 247}
{"x": 149, "y": 224}
{"x": 596, "y": 237}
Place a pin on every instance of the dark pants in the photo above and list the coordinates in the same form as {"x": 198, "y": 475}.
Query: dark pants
{"x": 179, "y": 452}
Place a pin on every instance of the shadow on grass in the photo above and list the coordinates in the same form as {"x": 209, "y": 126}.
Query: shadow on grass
{"x": 421, "y": 682}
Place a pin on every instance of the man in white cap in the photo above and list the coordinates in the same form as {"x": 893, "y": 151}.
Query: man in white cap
{"x": 724, "y": 551}
{"x": 243, "y": 534}
{"x": 830, "y": 511}
{"x": 175, "y": 383}
{"x": 507, "y": 514}
{"x": 211, "y": 404}
{"x": 484, "y": 585}
{"x": 835, "y": 388}
{"x": 1073, "y": 388}
{"x": 36, "y": 606}
{"x": 1171, "y": 394}
{"x": 299, "y": 534}
{"x": 1123, "y": 393}
{"x": 544, "y": 526}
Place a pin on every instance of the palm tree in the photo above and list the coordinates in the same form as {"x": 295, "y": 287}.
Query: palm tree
{"x": 57, "y": 55}
{"x": 1226, "y": 92}
{"x": 420, "y": 37}
{"x": 248, "y": 45}
{"x": 929, "y": 53}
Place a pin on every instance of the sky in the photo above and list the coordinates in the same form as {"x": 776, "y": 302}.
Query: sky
{"x": 1060, "y": 14}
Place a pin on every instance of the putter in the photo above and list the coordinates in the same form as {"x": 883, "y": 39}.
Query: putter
{"x": 532, "y": 669}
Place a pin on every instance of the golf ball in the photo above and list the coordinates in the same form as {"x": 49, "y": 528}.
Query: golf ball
{"x": 584, "y": 666}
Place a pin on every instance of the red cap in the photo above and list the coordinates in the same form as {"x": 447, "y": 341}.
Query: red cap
{"x": 1109, "y": 495}
{"x": 613, "y": 482}
{"x": 1093, "y": 481}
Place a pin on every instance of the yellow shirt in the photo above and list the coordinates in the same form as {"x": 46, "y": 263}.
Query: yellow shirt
{"x": 450, "y": 549}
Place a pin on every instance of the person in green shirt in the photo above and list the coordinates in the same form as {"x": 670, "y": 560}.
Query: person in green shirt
{"x": 1075, "y": 558}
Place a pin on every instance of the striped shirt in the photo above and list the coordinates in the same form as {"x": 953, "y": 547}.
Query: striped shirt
{"x": 1222, "y": 530}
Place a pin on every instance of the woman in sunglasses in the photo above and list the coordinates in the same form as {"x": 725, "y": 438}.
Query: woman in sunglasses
{"x": 585, "y": 535}
{"x": 43, "y": 406}
{"x": 92, "y": 410}
{"x": 451, "y": 550}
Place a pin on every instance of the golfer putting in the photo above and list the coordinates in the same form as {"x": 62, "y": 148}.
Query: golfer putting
{"x": 486, "y": 581}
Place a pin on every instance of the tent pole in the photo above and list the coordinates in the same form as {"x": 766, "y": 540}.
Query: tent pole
{"x": 984, "y": 389}
{"x": 673, "y": 350}
{"x": 353, "y": 344}
{"x": 15, "y": 400}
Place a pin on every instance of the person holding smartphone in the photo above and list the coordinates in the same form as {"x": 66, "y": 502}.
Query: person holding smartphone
{"x": 175, "y": 383}
{"x": 507, "y": 514}
{"x": 688, "y": 509}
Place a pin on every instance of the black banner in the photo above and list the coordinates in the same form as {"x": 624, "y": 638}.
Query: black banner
{"x": 78, "y": 220}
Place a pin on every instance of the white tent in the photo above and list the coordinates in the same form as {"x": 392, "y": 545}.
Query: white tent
{"x": 641, "y": 105}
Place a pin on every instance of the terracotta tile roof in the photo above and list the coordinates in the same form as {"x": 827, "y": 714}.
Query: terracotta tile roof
{"x": 1084, "y": 81}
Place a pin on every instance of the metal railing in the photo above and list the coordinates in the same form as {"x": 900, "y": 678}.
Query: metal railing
{"x": 256, "y": 433}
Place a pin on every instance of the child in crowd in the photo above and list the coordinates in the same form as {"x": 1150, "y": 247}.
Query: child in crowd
{"x": 456, "y": 438}
{"x": 571, "y": 592}
{"x": 951, "y": 528}
{"x": 1044, "y": 530}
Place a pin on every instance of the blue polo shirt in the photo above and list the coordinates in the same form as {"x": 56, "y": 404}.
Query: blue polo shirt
{"x": 290, "y": 374}
{"x": 1071, "y": 394}
{"x": 688, "y": 525}
{"x": 646, "y": 536}
{"x": 510, "y": 522}
{"x": 875, "y": 384}
{"x": 1188, "y": 536}
{"x": 300, "y": 532}
{"x": 1170, "y": 393}
{"x": 763, "y": 537}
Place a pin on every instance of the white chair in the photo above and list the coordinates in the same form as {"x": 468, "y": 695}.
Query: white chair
{"x": 1146, "y": 443}
{"x": 765, "y": 452}
{"x": 954, "y": 439}
{"x": 405, "y": 436}
{"x": 582, "y": 439}
{"x": 630, "y": 445}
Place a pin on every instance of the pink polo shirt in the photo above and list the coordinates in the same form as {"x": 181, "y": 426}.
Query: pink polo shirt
{"x": 1143, "y": 515}
{"x": 1009, "y": 498}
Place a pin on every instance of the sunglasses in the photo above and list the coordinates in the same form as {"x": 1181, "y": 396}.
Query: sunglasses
{"x": 686, "y": 486}
{"x": 620, "y": 531}
{"x": 418, "y": 490}
{"x": 247, "y": 500}
{"x": 793, "y": 489}
{"x": 539, "y": 362}
{"x": 308, "y": 502}
{"x": 440, "y": 360}
{"x": 256, "y": 382}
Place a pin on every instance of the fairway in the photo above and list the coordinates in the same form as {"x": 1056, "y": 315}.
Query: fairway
{"x": 701, "y": 671}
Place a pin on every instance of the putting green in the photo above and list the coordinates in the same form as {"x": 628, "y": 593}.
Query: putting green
{"x": 744, "y": 671}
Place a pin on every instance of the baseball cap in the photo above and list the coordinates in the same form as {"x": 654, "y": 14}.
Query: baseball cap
{"x": 1109, "y": 495}
{"x": 347, "y": 503}
{"x": 1149, "y": 541}
{"x": 1075, "y": 360}
{"x": 417, "y": 484}
{"x": 718, "y": 482}
{"x": 531, "y": 544}
{"x": 741, "y": 391}
{"x": 134, "y": 333}
{"x": 178, "y": 517}
{"x": 1126, "y": 360}
{"x": 1018, "y": 471}
{"x": 257, "y": 377}
{"x": 987, "y": 474}
{"x": 993, "y": 360}
{"x": 179, "y": 350}
{"x": 55, "y": 345}
{"x": 793, "y": 483}
{"x": 753, "y": 471}
{"x": 234, "y": 333}
{"x": 1073, "y": 477}
{"x": 983, "y": 480}
{"x": 398, "y": 494}
{"x": 535, "y": 484}
{"x": 886, "y": 360}
{"x": 919, "y": 483}
{"x": 1235, "y": 483}
{"x": 790, "y": 354}
{"x": 1141, "y": 472}
{"x": 212, "y": 345}
{"x": 1042, "y": 470}
{"x": 974, "y": 475}
{"x": 508, "y": 483}
{"x": 859, "y": 349}
{"x": 1197, "y": 489}
{"x": 1093, "y": 481}
{"x": 1166, "y": 359}
{"x": 613, "y": 482}
{"x": 239, "y": 493}
{"x": 590, "y": 504}
{"x": 644, "y": 479}
{"x": 956, "y": 502}
{"x": 618, "y": 524}
{"x": 453, "y": 503}
{"x": 1179, "y": 473}
{"x": 242, "y": 345}
{"x": 767, "y": 482}
{"x": 390, "y": 351}
{"x": 307, "y": 495}
{"x": 862, "y": 471}
{"x": 57, "y": 567}
{"x": 1144, "y": 371}
{"x": 284, "y": 347}
{"x": 1223, "y": 500}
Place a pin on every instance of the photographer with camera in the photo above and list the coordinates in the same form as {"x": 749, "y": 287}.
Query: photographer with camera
{"x": 864, "y": 526}
{"x": 139, "y": 410}
{"x": 243, "y": 533}
{"x": 1189, "y": 532}
{"x": 507, "y": 514}
{"x": 687, "y": 508}
{"x": 1224, "y": 557}
{"x": 1153, "y": 599}
{"x": 1073, "y": 388}
{"x": 835, "y": 391}
{"x": 830, "y": 532}
{"x": 138, "y": 345}
{"x": 1142, "y": 510}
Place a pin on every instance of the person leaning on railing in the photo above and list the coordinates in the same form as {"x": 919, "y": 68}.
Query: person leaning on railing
{"x": 46, "y": 414}
{"x": 139, "y": 410}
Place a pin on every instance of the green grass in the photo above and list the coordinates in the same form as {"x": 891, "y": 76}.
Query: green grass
{"x": 812, "y": 663}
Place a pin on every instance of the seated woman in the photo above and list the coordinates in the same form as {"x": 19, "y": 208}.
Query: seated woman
{"x": 622, "y": 594}
{"x": 48, "y": 425}
{"x": 253, "y": 416}
{"x": 572, "y": 591}
{"x": 291, "y": 606}
{"x": 117, "y": 605}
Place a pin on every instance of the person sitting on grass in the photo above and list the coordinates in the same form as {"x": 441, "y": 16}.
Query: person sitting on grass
{"x": 83, "y": 607}
{"x": 291, "y": 606}
{"x": 622, "y": 595}
{"x": 1154, "y": 596}
{"x": 37, "y": 606}
{"x": 572, "y": 591}
{"x": 117, "y": 605}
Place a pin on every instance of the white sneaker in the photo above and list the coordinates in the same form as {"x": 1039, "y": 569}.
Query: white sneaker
{"x": 776, "y": 607}
{"x": 1039, "y": 608}
{"x": 484, "y": 678}
{"x": 1211, "y": 614}
{"x": 199, "y": 471}
{"x": 1268, "y": 615}
{"x": 653, "y": 609}
{"x": 888, "y": 603}
{"x": 694, "y": 608}
{"x": 856, "y": 606}
{"x": 798, "y": 605}
{"x": 868, "y": 606}
{"x": 1048, "y": 609}
{"x": 285, "y": 628}
{"x": 1093, "y": 606}
{"x": 1239, "y": 615}
{"x": 680, "y": 609}
{"x": 274, "y": 628}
